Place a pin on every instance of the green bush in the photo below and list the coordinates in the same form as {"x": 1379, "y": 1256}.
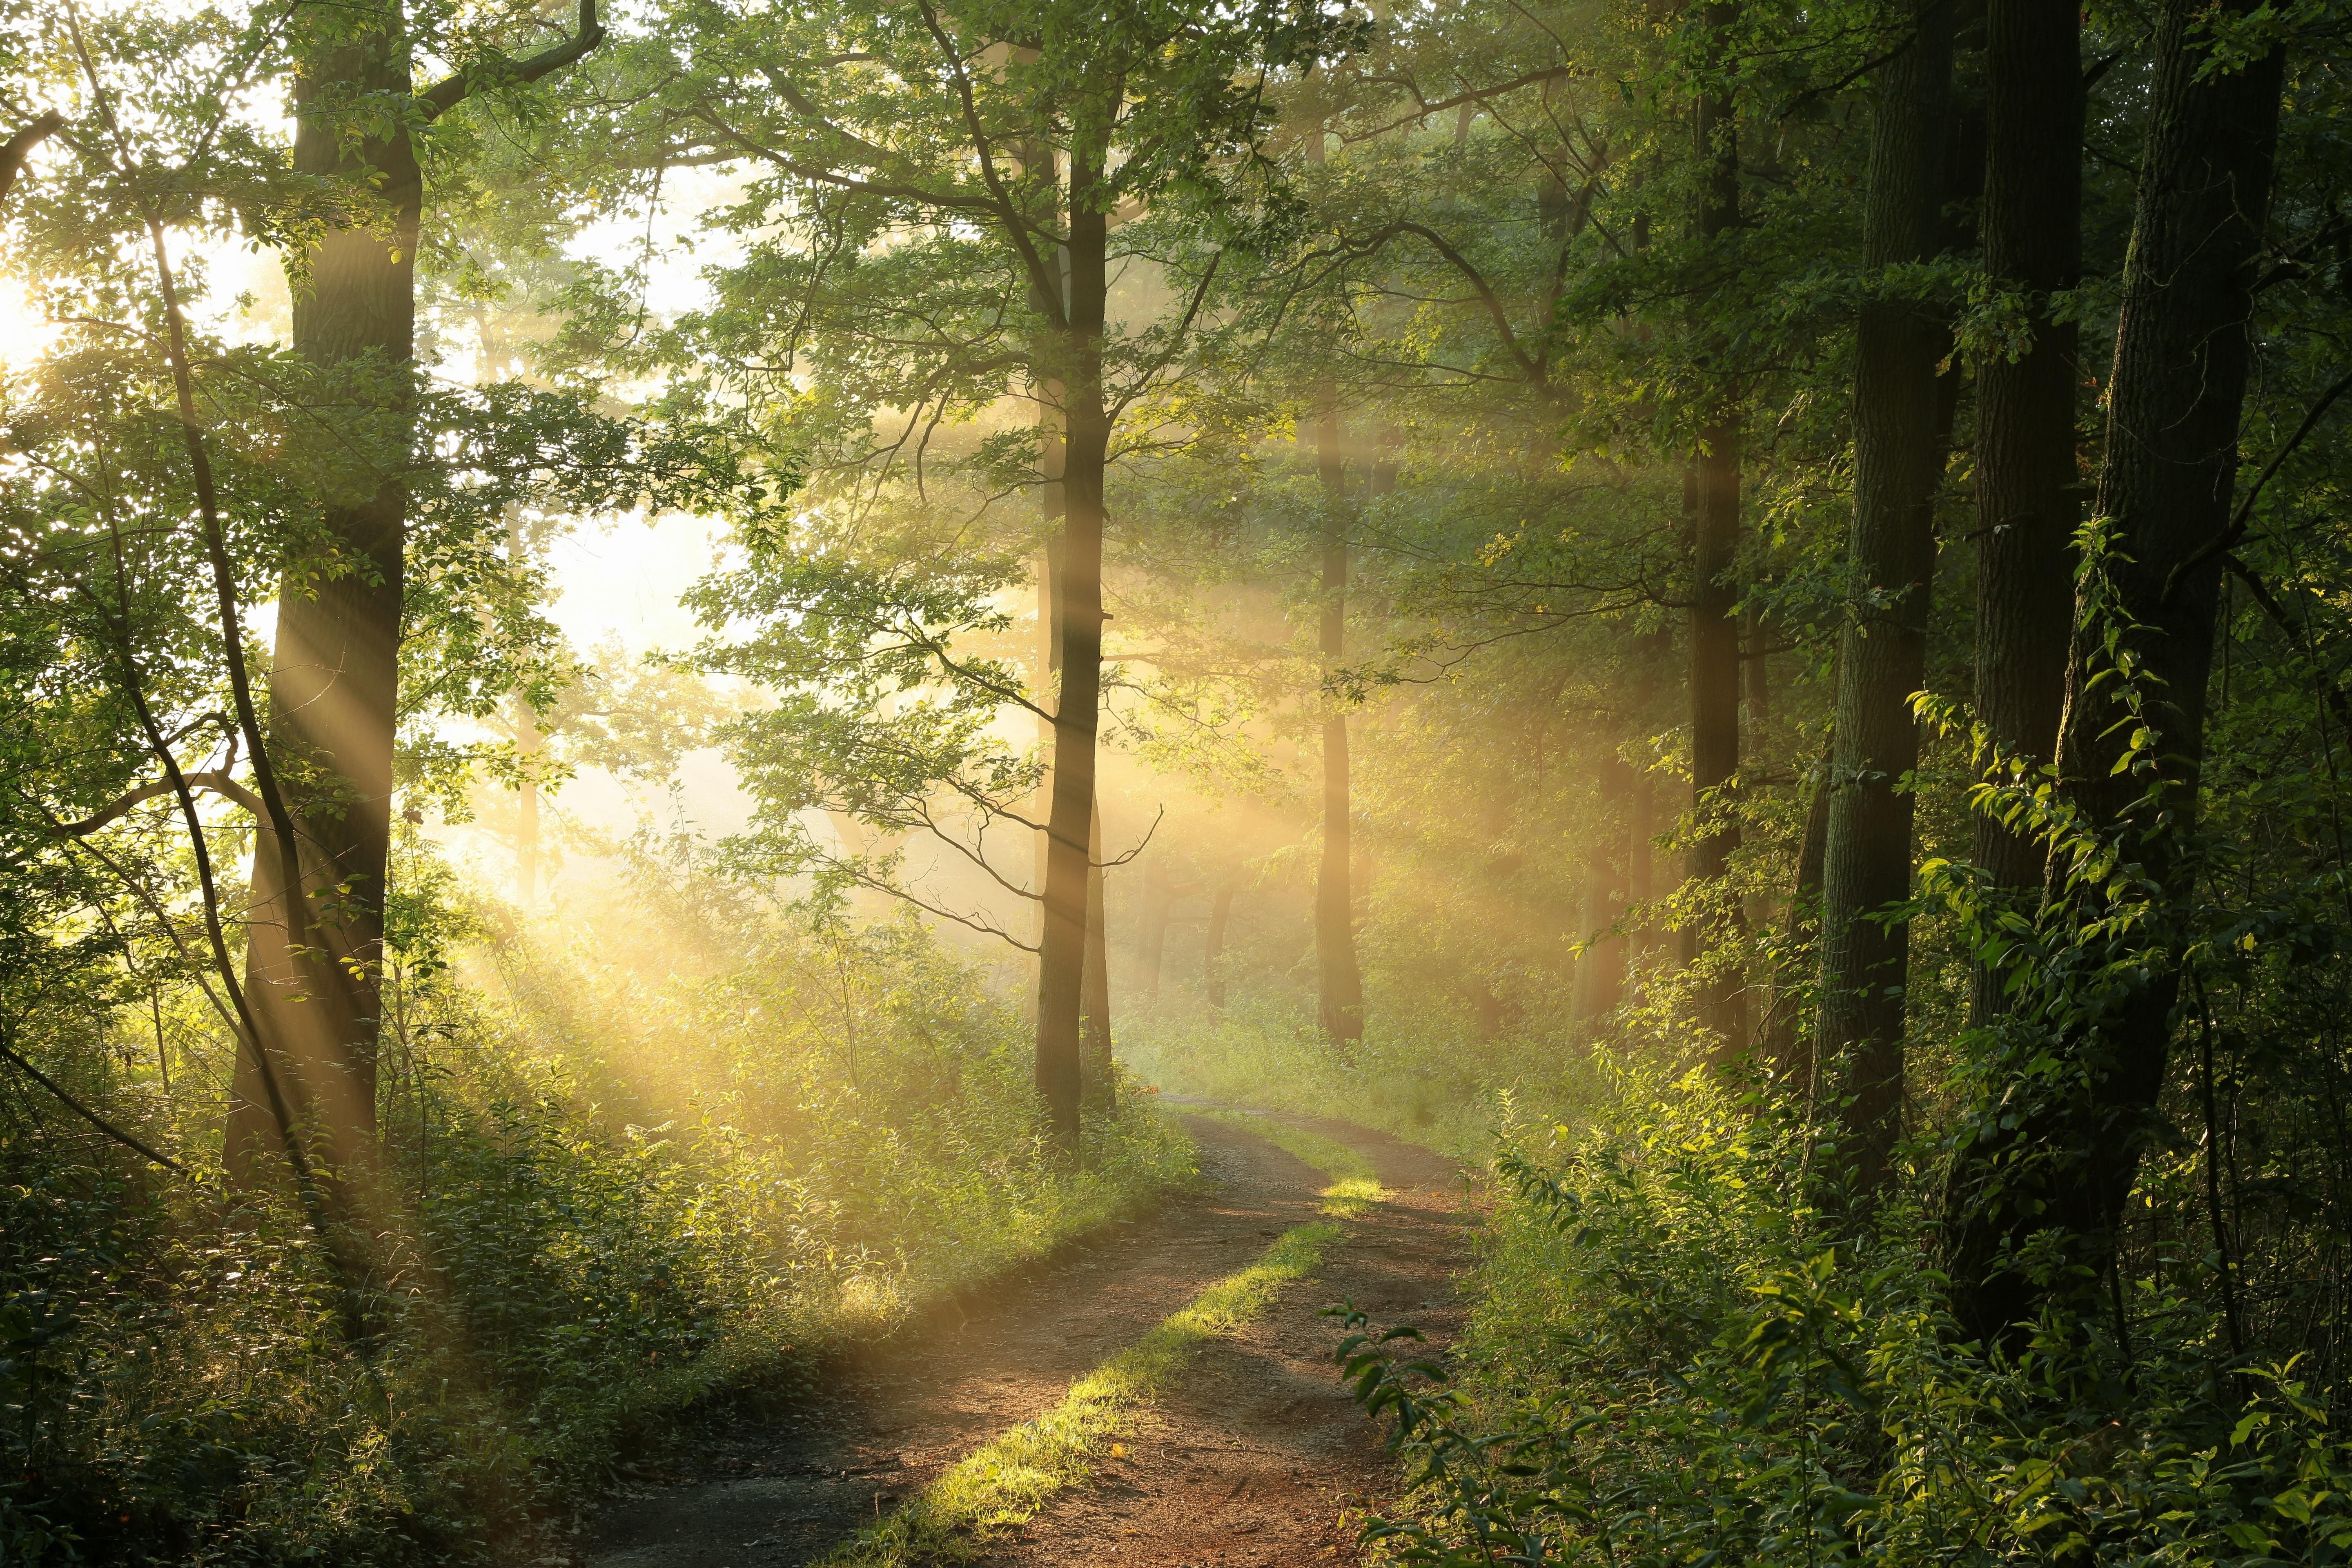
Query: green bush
{"x": 637, "y": 1175}
{"x": 1677, "y": 1357}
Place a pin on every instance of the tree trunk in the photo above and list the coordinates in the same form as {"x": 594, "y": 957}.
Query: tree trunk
{"x": 1101, "y": 1079}
{"x": 1882, "y": 650}
{"x": 1061, "y": 965}
{"x": 2027, "y": 481}
{"x": 1341, "y": 984}
{"x": 1715, "y": 589}
{"x": 1212, "y": 950}
{"x": 2058, "y": 1153}
{"x": 1151, "y": 929}
{"x": 1601, "y": 972}
{"x": 526, "y": 807}
{"x": 316, "y": 943}
{"x": 1792, "y": 1056}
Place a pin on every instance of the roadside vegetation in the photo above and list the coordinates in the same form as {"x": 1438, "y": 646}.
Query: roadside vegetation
{"x": 1735, "y": 614}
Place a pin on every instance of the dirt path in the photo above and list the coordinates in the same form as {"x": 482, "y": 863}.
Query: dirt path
{"x": 1255, "y": 1458}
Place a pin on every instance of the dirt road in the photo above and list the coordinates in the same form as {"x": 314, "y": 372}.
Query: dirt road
{"x": 1257, "y": 1456}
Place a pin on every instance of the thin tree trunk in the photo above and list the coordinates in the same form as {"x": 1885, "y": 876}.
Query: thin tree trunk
{"x": 1151, "y": 930}
{"x": 1601, "y": 972}
{"x": 2027, "y": 479}
{"x": 1212, "y": 950}
{"x": 1790, "y": 1055}
{"x": 2059, "y": 1155}
{"x": 527, "y": 747}
{"x": 1883, "y": 651}
{"x": 1341, "y": 984}
{"x": 527, "y": 810}
{"x": 1101, "y": 1078}
{"x": 1061, "y": 967}
{"x": 1715, "y": 589}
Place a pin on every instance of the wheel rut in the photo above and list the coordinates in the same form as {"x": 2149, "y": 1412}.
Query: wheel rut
{"x": 1255, "y": 1456}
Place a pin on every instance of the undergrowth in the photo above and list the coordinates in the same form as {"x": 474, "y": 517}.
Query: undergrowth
{"x": 638, "y": 1177}
{"x": 1431, "y": 1083}
{"x": 1676, "y": 1357}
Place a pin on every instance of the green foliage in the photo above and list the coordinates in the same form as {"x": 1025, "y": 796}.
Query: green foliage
{"x": 632, "y": 1191}
{"x": 1676, "y": 1357}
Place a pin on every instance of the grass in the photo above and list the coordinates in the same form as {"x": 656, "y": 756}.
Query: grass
{"x": 1003, "y": 1484}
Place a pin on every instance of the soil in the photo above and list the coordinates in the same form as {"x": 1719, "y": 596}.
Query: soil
{"x": 1255, "y": 1456}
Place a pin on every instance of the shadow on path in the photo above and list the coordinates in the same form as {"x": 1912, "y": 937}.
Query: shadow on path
{"x": 1252, "y": 1458}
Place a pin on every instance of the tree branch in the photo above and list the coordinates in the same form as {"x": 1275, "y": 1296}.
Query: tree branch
{"x": 448, "y": 93}
{"x": 14, "y": 151}
{"x": 2296, "y": 634}
{"x": 219, "y": 783}
{"x": 2228, "y": 538}
{"x": 87, "y": 1114}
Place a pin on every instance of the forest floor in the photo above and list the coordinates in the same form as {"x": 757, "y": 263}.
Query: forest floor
{"x": 1254, "y": 1456}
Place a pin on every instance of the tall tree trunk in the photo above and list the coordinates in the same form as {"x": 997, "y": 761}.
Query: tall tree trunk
{"x": 313, "y": 975}
{"x": 1100, "y": 1076}
{"x": 527, "y": 747}
{"x": 1790, "y": 1054}
{"x": 1061, "y": 966}
{"x": 316, "y": 946}
{"x": 1601, "y": 972}
{"x": 2027, "y": 481}
{"x": 1151, "y": 929}
{"x": 1212, "y": 950}
{"x": 1339, "y": 983}
{"x": 2059, "y": 1153}
{"x": 1882, "y": 650}
{"x": 1715, "y": 589}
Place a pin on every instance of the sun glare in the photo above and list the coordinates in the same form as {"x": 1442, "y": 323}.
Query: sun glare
{"x": 23, "y": 334}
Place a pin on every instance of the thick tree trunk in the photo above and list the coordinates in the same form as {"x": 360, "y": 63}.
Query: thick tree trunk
{"x": 1340, "y": 983}
{"x": 316, "y": 946}
{"x": 1715, "y": 591}
{"x": 2027, "y": 481}
{"x": 2058, "y": 1155}
{"x": 1883, "y": 651}
{"x": 1061, "y": 966}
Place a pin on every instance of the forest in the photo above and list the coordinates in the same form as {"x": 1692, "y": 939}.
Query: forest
{"x": 690, "y": 689}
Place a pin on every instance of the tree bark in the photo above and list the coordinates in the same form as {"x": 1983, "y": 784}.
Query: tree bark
{"x": 527, "y": 747}
{"x": 1715, "y": 589}
{"x": 1151, "y": 929}
{"x": 313, "y": 974}
{"x": 1061, "y": 966}
{"x": 1791, "y": 1055}
{"x": 2027, "y": 479}
{"x": 1339, "y": 983}
{"x": 1601, "y": 972}
{"x": 315, "y": 946}
{"x": 1883, "y": 649}
{"x": 1100, "y": 1076}
{"x": 2058, "y": 1154}
{"x": 1212, "y": 950}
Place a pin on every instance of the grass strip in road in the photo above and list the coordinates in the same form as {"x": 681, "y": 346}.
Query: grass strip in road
{"x": 1003, "y": 1482}
{"x": 1354, "y": 1186}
